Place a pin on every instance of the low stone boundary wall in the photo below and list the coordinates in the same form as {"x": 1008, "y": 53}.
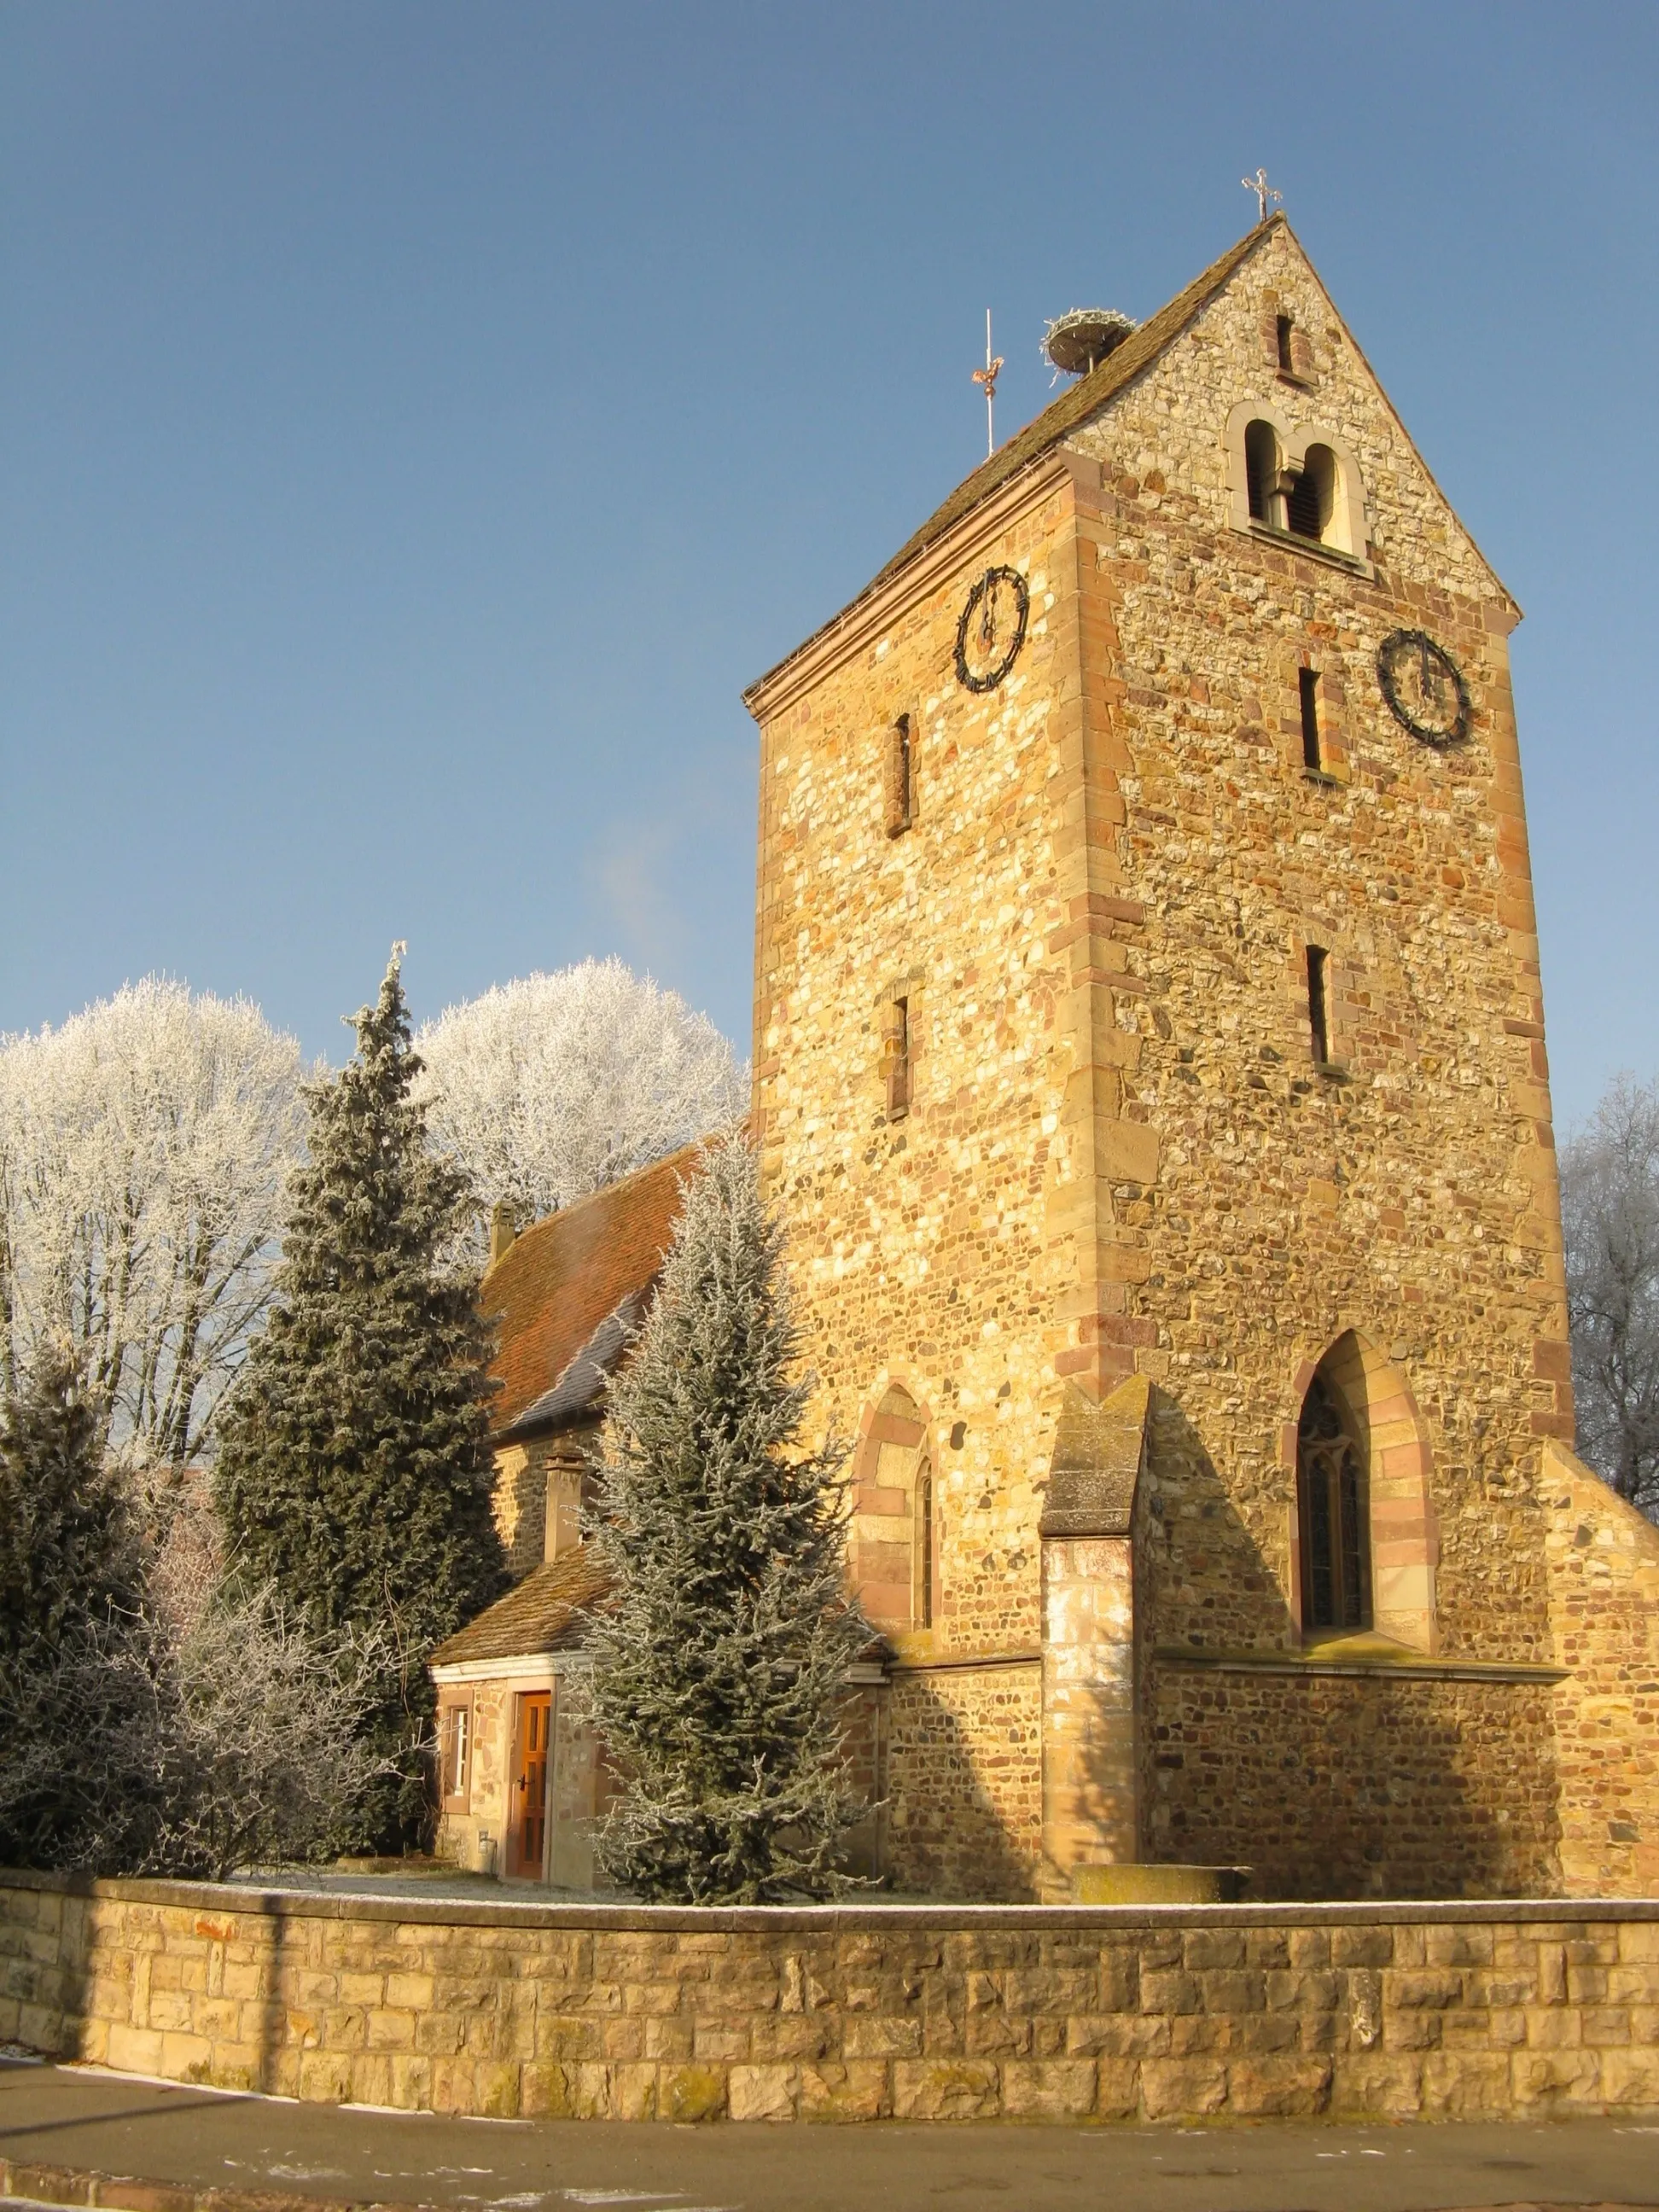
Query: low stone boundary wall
{"x": 864, "y": 2012}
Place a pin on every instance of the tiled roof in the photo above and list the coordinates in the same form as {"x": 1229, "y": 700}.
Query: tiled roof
{"x": 543, "y": 1614}
{"x": 558, "y": 1284}
{"x": 1085, "y": 398}
{"x": 578, "y": 1391}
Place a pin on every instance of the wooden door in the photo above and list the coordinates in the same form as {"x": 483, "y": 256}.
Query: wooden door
{"x": 530, "y": 1784}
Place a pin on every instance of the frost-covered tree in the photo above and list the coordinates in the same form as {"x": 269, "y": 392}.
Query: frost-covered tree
{"x": 1610, "y": 1213}
{"x": 143, "y": 1149}
{"x": 352, "y": 1475}
{"x": 550, "y": 1087}
{"x": 720, "y": 1660}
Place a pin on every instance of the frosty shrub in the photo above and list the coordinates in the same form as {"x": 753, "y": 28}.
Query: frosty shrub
{"x": 130, "y": 1750}
{"x": 719, "y": 1662}
{"x": 550, "y": 1087}
{"x": 129, "y": 1743}
{"x": 143, "y": 1149}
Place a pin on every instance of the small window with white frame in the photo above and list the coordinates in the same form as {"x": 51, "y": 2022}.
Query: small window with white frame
{"x": 455, "y": 1754}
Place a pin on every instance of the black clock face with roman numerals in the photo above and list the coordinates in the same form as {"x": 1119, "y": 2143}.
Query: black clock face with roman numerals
{"x": 1424, "y": 686}
{"x": 992, "y": 629}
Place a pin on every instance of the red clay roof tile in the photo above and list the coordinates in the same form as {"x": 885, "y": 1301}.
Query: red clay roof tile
{"x": 554, "y": 1285}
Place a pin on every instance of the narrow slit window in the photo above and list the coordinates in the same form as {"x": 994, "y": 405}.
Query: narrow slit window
{"x": 1308, "y": 680}
{"x": 1283, "y": 329}
{"x": 898, "y": 1060}
{"x": 901, "y": 777}
{"x": 925, "y": 1547}
{"x": 1318, "y": 1010}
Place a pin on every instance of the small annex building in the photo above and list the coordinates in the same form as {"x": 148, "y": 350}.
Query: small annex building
{"x": 521, "y": 1777}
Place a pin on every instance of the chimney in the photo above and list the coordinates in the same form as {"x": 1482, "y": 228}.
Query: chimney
{"x": 502, "y": 1230}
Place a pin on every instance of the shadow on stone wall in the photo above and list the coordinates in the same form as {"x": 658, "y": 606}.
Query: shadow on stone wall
{"x": 955, "y": 1741}
{"x": 269, "y": 2071}
{"x": 1328, "y": 1786}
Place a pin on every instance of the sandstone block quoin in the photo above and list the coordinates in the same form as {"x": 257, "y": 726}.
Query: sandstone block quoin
{"x": 836, "y": 2014}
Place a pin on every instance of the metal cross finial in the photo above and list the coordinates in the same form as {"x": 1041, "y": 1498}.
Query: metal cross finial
{"x": 1263, "y": 190}
{"x": 988, "y": 376}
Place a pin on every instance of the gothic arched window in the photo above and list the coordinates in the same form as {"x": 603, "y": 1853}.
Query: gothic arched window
{"x": 1334, "y": 1510}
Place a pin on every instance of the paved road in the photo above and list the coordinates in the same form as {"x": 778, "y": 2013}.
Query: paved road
{"x": 67, "y": 2116}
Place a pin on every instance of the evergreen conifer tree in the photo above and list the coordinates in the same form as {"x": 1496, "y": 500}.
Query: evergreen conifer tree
{"x": 69, "y": 1554}
{"x": 719, "y": 1662}
{"x": 353, "y": 1477}
{"x": 75, "y": 1684}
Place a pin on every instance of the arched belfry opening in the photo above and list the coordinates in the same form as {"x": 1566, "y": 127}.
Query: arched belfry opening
{"x": 1333, "y": 1485}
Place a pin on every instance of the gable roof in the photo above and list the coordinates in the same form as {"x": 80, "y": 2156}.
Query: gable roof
{"x": 543, "y": 1613}
{"x": 1120, "y": 368}
{"x": 581, "y": 1386}
{"x": 569, "y": 1288}
{"x": 1085, "y": 398}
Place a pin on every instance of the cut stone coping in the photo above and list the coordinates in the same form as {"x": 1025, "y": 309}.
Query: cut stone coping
{"x": 868, "y": 1914}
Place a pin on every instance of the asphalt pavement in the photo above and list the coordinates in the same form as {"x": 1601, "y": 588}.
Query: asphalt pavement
{"x": 114, "y": 2124}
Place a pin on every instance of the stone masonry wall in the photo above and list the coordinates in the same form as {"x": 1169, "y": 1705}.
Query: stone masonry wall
{"x": 1604, "y": 1609}
{"x": 964, "y": 1816}
{"x": 1332, "y": 1785}
{"x": 1414, "y": 1200}
{"x": 1120, "y": 1156}
{"x": 917, "y": 1244}
{"x": 1175, "y": 2014}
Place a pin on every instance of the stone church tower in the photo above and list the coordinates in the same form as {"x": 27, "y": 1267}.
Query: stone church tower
{"x": 1150, "y": 1064}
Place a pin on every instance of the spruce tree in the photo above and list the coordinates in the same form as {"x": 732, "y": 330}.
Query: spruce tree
{"x": 353, "y": 1476}
{"x": 720, "y": 1660}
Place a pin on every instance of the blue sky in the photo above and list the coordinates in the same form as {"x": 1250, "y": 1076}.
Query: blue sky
{"x": 418, "y": 421}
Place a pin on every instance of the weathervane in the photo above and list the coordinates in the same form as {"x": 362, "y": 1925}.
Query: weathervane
{"x": 1263, "y": 190}
{"x": 988, "y": 376}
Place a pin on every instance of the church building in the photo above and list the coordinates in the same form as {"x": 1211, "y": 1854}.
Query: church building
{"x": 1149, "y": 1064}
{"x": 1149, "y": 1069}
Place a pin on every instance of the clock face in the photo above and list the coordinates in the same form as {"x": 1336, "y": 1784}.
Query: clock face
{"x": 1425, "y": 688}
{"x": 992, "y": 629}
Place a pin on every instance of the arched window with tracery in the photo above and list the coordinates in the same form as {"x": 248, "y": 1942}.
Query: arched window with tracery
{"x": 1333, "y": 1514}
